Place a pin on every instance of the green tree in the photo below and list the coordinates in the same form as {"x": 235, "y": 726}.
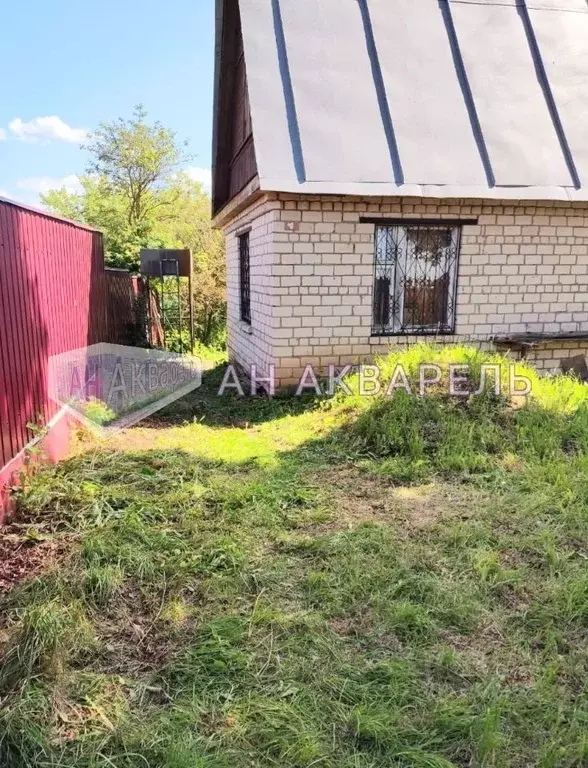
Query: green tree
{"x": 187, "y": 224}
{"x": 135, "y": 192}
{"x": 99, "y": 206}
{"x": 128, "y": 186}
{"x": 137, "y": 161}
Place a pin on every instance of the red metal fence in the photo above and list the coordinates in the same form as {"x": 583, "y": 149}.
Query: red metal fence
{"x": 121, "y": 291}
{"x": 54, "y": 297}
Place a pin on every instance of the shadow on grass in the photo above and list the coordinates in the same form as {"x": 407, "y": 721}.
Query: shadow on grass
{"x": 271, "y": 632}
{"x": 230, "y": 409}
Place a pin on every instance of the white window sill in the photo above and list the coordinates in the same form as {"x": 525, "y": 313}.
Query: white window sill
{"x": 245, "y": 327}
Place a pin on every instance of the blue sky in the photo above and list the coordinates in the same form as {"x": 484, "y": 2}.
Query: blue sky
{"x": 69, "y": 64}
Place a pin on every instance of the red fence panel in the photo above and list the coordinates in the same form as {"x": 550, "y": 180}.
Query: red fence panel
{"x": 54, "y": 297}
{"x": 120, "y": 293}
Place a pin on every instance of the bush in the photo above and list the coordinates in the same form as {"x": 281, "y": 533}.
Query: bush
{"x": 442, "y": 433}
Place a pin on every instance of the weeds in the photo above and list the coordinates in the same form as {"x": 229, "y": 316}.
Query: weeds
{"x": 353, "y": 584}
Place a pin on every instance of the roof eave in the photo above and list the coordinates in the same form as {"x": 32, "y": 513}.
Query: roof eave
{"x": 233, "y": 207}
{"x": 378, "y": 189}
{"x": 219, "y": 17}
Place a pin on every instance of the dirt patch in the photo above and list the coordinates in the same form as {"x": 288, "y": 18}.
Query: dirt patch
{"x": 22, "y": 557}
{"x": 360, "y": 497}
{"x": 351, "y": 626}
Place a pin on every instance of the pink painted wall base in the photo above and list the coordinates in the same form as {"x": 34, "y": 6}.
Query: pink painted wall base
{"x": 52, "y": 446}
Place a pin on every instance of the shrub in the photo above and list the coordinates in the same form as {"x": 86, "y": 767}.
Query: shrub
{"x": 442, "y": 433}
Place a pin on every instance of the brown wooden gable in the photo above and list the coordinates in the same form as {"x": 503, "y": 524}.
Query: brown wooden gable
{"x": 235, "y": 163}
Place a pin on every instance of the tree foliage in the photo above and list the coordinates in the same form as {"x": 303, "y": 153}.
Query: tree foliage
{"x": 135, "y": 191}
{"x": 137, "y": 161}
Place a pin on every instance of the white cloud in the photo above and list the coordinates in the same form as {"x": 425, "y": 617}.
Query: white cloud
{"x": 43, "y": 184}
{"x": 17, "y": 196}
{"x": 44, "y": 129}
{"x": 203, "y": 175}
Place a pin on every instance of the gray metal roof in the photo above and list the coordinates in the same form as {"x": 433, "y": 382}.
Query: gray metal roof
{"x": 438, "y": 98}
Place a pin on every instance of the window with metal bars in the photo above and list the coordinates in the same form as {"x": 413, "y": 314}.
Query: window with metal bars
{"x": 244, "y": 278}
{"x": 415, "y": 279}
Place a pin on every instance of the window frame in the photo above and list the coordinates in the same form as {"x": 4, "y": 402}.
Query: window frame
{"x": 244, "y": 250}
{"x": 387, "y": 269}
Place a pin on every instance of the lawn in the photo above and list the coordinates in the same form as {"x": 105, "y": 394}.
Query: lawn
{"x": 346, "y": 583}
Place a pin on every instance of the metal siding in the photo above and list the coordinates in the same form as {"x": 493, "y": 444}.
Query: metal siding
{"x": 427, "y": 103}
{"x": 14, "y": 366}
{"x": 7, "y": 416}
{"x": 332, "y": 78}
{"x": 272, "y": 109}
{"x": 121, "y": 291}
{"x": 563, "y": 42}
{"x": 53, "y": 298}
{"x": 516, "y": 123}
{"x": 495, "y": 111}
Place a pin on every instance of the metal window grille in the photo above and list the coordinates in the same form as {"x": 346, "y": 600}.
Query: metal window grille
{"x": 415, "y": 279}
{"x": 244, "y": 278}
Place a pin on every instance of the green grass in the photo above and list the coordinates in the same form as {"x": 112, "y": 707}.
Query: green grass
{"x": 361, "y": 583}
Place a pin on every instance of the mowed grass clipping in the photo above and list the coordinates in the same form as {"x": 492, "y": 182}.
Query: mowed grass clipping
{"x": 355, "y": 583}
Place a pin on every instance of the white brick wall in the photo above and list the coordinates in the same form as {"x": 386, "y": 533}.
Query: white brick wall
{"x": 523, "y": 267}
{"x": 253, "y": 345}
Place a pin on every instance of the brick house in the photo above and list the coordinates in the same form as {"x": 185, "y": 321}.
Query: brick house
{"x": 393, "y": 170}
